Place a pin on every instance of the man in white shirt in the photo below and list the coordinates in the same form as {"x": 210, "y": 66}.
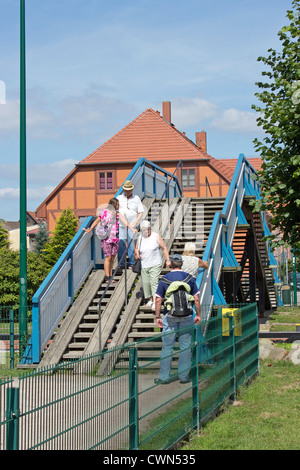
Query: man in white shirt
{"x": 132, "y": 209}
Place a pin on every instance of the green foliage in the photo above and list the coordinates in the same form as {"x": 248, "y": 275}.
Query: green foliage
{"x": 279, "y": 117}
{"x": 41, "y": 238}
{"x": 65, "y": 230}
{"x": 3, "y": 236}
{"x": 37, "y": 270}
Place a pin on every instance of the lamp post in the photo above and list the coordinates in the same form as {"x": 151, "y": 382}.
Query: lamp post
{"x": 23, "y": 192}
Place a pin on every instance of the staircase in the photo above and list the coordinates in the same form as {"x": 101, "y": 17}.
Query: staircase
{"x": 140, "y": 320}
{"x": 263, "y": 278}
{"x": 239, "y": 247}
{"x": 267, "y": 267}
{"x": 78, "y": 333}
{"x": 89, "y": 322}
{"x": 225, "y": 237}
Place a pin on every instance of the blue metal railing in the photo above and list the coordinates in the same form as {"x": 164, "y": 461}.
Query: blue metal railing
{"x": 151, "y": 180}
{"x": 218, "y": 251}
{"x": 57, "y": 292}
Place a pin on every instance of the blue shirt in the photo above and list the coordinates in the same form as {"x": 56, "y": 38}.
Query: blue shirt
{"x": 176, "y": 275}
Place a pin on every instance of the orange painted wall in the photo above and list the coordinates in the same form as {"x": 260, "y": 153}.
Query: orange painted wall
{"x": 85, "y": 178}
{"x": 66, "y": 198}
{"x": 81, "y": 194}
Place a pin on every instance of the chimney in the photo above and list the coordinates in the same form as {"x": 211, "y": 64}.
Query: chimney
{"x": 201, "y": 141}
{"x": 166, "y": 111}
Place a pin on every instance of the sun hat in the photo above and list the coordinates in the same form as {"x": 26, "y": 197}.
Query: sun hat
{"x": 127, "y": 186}
{"x": 145, "y": 224}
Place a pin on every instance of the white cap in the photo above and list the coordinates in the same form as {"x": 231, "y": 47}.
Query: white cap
{"x": 145, "y": 224}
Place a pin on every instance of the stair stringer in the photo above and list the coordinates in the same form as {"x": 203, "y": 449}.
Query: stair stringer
{"x": 66, "y": 331}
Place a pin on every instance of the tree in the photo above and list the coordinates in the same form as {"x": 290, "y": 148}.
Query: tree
{"x": 4, "y": 243}
{"x": 41, "y": 238}
{"x": 280, "y": 119}
{"x": 37, "y": 270}
{"x": 65, "y": 229}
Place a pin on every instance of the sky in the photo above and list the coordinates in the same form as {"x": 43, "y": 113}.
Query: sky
{"x": 92, "y": 66}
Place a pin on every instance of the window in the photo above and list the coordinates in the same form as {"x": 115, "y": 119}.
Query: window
{"x": 188, "y": 178}
{"x": 105, "y": 180}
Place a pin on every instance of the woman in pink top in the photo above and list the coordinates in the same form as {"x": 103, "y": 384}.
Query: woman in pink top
{"x": 108, "y": 231}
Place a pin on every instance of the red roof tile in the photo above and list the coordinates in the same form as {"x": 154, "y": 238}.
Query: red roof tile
{"x": 221, "y": 167}
{"x": 148, "y": 136}
{"x": 231, "y": 163}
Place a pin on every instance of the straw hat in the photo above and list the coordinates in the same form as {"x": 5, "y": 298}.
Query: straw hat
{"x": 127, "y": 186}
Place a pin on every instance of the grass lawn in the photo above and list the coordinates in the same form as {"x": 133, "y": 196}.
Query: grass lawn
{"x": 282, "y": 327}
{"x": 285, "y": 319}
{"x": 286, "y": 315}
{"x": 266, "y": 415}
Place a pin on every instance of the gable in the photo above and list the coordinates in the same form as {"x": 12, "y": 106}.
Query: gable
{"x": 148, "y": 136}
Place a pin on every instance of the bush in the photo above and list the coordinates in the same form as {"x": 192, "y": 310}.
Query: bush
{"x": 37, "y": 270}
{"x": 64, "y": 232}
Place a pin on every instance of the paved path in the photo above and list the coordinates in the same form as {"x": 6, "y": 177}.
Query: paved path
{"x": 76, "y": 412}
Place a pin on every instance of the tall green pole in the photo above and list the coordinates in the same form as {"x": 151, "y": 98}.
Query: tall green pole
{"x": 23, "y": 192}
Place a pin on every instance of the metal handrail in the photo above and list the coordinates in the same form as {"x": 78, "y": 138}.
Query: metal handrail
{"x": 207, "y": 185}
{"x": 167, "y": 187}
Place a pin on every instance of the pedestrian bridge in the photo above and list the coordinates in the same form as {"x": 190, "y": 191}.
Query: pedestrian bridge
{"x": 76, "y": 313}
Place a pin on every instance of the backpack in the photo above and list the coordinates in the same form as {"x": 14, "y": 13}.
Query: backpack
{"x": 178, "y": 300}
{"x": 103, "y": 229}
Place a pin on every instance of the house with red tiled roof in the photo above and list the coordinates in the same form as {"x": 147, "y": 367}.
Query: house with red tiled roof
{"x": 97, "y": 177}
{"x": 231, "y": 163}
{"x": 13, "y": 229}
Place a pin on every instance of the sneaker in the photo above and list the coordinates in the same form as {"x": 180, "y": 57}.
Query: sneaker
{"x": 153, "y": 306}
{"x": 161, "y": 382}
{"x": 140, "y": 294}
{"x": 149, "y": 304}
{"x": 185, "y": 381}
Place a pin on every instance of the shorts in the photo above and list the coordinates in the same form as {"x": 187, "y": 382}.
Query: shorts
{"x": 109, "y": 248}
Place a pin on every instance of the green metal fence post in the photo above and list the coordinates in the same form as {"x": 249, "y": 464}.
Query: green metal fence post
{"x": 257, "y": 335}
{"x": 11, "y": 340}
{"x": 12, "y": 417}
{"x": 294, "y": 279}
{"x": 195, "y": 379}
{"x": 233, "y": 363}
{"x": 133, "y": 400}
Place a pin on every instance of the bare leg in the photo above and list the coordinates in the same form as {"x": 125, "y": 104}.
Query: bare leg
{"x": 107, "y": 267}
